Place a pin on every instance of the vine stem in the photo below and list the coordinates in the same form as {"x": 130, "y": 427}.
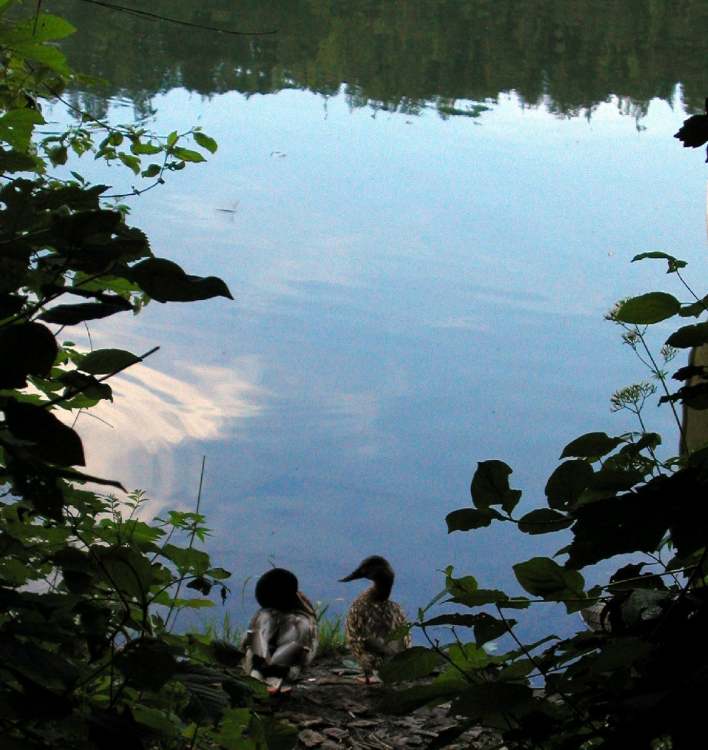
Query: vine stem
{"x": 189, "y": 546}
{"x": 662, "y": 380}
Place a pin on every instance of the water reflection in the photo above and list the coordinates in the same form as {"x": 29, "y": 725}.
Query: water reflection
{"x": 414, "y": 294}
{"x": 394, "y": 55}
{"x": 153, "y": 413}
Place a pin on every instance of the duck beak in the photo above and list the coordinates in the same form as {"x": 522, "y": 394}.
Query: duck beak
{"x": 352, "y": 576}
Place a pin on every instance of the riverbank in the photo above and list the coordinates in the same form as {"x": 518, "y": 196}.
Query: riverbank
{"x": 330, "y": 709}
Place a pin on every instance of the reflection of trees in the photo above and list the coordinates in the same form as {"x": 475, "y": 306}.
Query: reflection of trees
{"x": 401, "y": 55}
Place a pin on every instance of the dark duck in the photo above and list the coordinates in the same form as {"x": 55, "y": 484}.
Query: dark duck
{"x": 373, "y": 617}
{"x": 282, "y": 637}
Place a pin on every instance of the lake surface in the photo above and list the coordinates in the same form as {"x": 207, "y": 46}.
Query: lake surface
{"x": 423, "y": 211}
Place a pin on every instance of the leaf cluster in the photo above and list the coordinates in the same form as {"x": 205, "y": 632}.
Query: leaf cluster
{"x": 90, "y": 590}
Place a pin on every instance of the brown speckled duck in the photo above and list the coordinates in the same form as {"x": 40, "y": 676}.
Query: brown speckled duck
{"x": 372, "y": 617}
{"x": 282, "y": 637}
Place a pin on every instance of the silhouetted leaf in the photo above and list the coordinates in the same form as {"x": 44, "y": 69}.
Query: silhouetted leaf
{"x": 465, "y": 519}
{"x": 165, "y": 281}
{"x": 105, "y": 361}
{"x": 51, "y": 440}
{"x": 25, "y": 349}
{"x": 68, "y": 315}
{"x": 146, "y": 664}
{"x": 411, "y": 664}
{"x": 695, "y": 309}
{"x": 591, "y": 445}
{"x": 544, "y": 521}
{"x": 79, "y": 226}
{"x": 16, "y": 161}
{"x": 615, "y": 480}
{"x": 466, "y": 591}
{"x": 632, "y": 522}
{"x": 10, "y": 304}
{"x": 126, "y": 570}
{"x": 694, "y": 131}
{"x": 87, "y": 385}
{"x": 490, "y": 486}
{"x": 568, "y": 481}
{"x": 673, "y": 263}
{"x": 688, "y": 336}
{"x": 647, "y": 308}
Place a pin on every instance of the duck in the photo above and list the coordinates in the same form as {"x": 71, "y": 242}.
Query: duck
{"x": 373, "y": 617}
{"x": 282, "y": 637}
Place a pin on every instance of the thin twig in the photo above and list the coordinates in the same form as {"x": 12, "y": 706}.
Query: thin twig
{"x": 178, "y": 21}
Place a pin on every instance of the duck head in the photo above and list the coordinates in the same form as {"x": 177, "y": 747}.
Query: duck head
{"x": 278, "y": 589}
{"x": 376, "y": 569}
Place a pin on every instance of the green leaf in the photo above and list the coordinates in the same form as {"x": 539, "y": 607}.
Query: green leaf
{"x": 105, "y": 361}
{"x": 647, "y": 308}
{"x": 47, "y": 28}
{"x": 145, "y": 148}
{"x": 218, "y": 573}
{"x": 48, "y": 438}
{"x": 152, "y": 170}
{"x": 486, "y": 627}
{"x": 162, "y": 721}
{"x": 172, "y": 138}
{"x": 186, "y": 154}
{"x": 543, "y": 577}
{"x": 673, "y": 263}
{"x": 591, "y": 445}
{"x": 411, "y": 664}
{"x": 490, "y": 486}
{"x": 187, "y": 560}
{"x": 205, "y": 141}
{"x": 544, "y": 521}
{"x": 689, "y": 336}
{"x": 16, "y": 127}
{"x": 132, "y": 162}
{"x": 469, "y": 657}
{"x": 471, "y": 518}
{"x": 52, "y": 57}
{"x": 58, "y": 155}
{"x": 567, "y": 483}
{"x": 126, "y": 570}
{"x": 165, "y": 281}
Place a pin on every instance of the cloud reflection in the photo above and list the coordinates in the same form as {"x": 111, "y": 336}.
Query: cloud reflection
{"x": 135, "y": 438}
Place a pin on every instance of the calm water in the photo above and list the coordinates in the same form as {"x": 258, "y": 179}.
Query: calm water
{"x": 423, "y": 214}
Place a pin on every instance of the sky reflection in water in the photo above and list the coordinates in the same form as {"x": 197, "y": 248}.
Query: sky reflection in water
{"x": 413, "y": 295}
